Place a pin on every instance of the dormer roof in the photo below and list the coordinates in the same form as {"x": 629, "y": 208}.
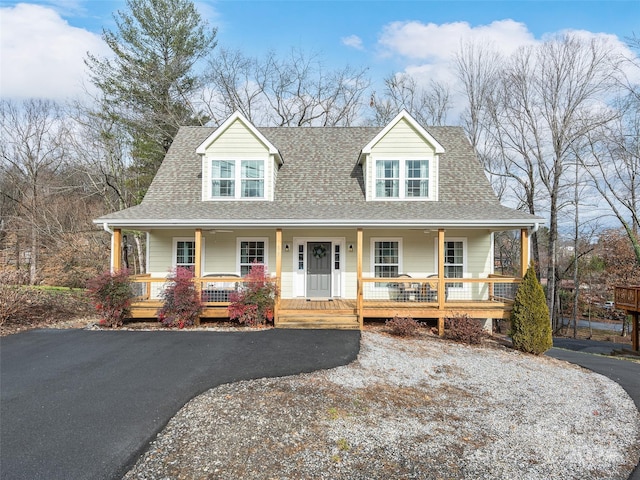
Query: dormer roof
{"x": 403, "y": 115}
{"x": 238, "y": 117}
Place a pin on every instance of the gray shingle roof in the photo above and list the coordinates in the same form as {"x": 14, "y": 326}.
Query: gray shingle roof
{"x": 320, "y": 183}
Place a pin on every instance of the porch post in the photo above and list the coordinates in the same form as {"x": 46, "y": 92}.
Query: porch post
{"x": 524, "y": 251}
{"x": 359, "y": 294}
{"x": 441, "y": 285}
{"x": 276, "y": 307}
{"x": 635, "y": 331}
{"x": 197, "y": 267}
{"x": 116, "y": 250}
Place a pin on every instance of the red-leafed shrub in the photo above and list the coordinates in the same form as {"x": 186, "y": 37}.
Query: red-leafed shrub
{"x": 463, "y": 329}
{"x": 111, "y": 294}
{"x": 402, "y": 326}
{"x": 182, "y": 303}
{"x": 254, "y": 303}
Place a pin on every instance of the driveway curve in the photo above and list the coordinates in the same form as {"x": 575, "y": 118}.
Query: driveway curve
{"x": 78, "y": 404}
{"x": 590, "y": 354}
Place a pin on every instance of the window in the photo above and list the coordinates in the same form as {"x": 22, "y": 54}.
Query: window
{"x": 417, "y": 183}
{"x": 251, "y": 251}
{"x": 237, "y": 178}
{"x": 386, "y": 258}
{"x": 387, "y": 178}
{"x": 402, "y": 179}
{"x": 454, "y": 261}
{"x": 252, "y": 178}
{"x": 223, "y": 178}
{"x": 301, "y": 257}
{"x": 185, "y": 253}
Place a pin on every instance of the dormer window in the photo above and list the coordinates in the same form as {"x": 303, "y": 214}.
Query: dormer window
{"x": 237, "y": 178}
{"x": 402, "y": 179}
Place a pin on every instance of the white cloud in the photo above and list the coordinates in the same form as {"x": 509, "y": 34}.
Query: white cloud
{"x": 353, "y": 41}
{"x": 430, "y": 42}
{"x": 42, "y": 55}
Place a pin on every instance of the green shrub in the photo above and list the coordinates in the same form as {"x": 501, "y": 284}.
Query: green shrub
{"x": 530, "y": 324}
{"x": 402, "y": 326}
{"x": 462, "y": 329}
{"x": 182, "y": 303}
{"x": 111, "y": 294}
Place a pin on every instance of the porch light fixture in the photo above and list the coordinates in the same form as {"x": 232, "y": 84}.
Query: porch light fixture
{"x": 286, "y": 247}
{"x": 350, "y": 248}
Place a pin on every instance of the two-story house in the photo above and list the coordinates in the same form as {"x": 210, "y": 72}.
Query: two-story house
{"x": 352, "y": 222}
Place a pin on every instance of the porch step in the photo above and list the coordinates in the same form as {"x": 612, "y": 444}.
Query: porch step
{"x": 311, "y": 320}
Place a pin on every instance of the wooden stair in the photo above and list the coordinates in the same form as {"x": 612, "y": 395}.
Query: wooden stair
{"x": 343, "y": 321}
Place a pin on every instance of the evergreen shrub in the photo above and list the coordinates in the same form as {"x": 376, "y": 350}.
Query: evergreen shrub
{"x": 530, "y": 323}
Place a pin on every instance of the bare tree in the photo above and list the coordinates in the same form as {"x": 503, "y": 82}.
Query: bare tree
{"x": 478, "y": 67}
{"x": 293, "y": 91}
{"x": 32, "y": 151}
{"x": 428, "y": 105}
{"x": 550, "y": 99}
{"x": 612, "y": 161}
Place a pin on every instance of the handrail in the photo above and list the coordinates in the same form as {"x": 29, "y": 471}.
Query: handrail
{"x": 627, "y": 297}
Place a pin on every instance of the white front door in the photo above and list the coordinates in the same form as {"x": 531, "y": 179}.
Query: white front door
{"x": 318, "y": 269}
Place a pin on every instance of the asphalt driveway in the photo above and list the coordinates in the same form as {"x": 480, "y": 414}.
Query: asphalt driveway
{"x": 590, "y": 354}
{"x": 80, "y": 404}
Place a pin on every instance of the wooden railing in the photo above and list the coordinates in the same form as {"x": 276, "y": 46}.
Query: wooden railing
{"x": 215, "y": 290}
{"x": 627, "y": 298}
{"x": 429, "y": 289}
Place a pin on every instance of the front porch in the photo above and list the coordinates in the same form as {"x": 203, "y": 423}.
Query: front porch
{"x": 419, "y": 300}
{"x": 433, "y": 297}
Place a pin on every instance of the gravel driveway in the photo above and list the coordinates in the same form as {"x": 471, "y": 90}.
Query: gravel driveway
{"x": 423, "y": 409}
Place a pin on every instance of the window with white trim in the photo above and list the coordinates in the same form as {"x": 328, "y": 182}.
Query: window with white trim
{"x": 454, "y": 260}
{"x": 237, "y": 178}
{"x": 417, "y": 178}
{"x": 185, "y": 253}
{"x": 251, "y": 251}
{"x": 388, "y": 178}
{"x": 386, "y": 258}
{"x": 402, "y": 179}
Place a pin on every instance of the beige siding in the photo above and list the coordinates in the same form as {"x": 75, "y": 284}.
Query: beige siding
{"x": 222, "y": 255}
{"x": 238, "y": 142}
{"x": 161, "y": 250}
{"x": 402, "y": 140}
{"x": 418, "y": 253}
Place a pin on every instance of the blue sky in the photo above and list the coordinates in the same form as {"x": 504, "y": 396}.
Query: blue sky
{"x": 42, "y": 43}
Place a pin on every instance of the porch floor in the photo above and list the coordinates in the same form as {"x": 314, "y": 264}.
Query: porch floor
{"x": 343, "y": 314}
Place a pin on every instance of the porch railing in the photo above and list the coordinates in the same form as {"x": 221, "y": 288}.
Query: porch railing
{"x": 430, "y": 289}
{"x": 215, "y": 290}
{"x": 628, "y": 298}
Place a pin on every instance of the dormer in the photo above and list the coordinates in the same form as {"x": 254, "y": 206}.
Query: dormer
{"x": 238, "y": 163}
{"x": 401, "y": 162}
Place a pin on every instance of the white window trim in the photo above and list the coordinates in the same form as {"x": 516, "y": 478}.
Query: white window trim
{"x": 372, "y": 252}
{"x": 433, "y": 171}
{"x": 465, "y": 264}
{"x": 174, "y": 250}
{"x": 239, "y": 241}
{"x": 206, "y": 182}
{"x": 337, "y": 291}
